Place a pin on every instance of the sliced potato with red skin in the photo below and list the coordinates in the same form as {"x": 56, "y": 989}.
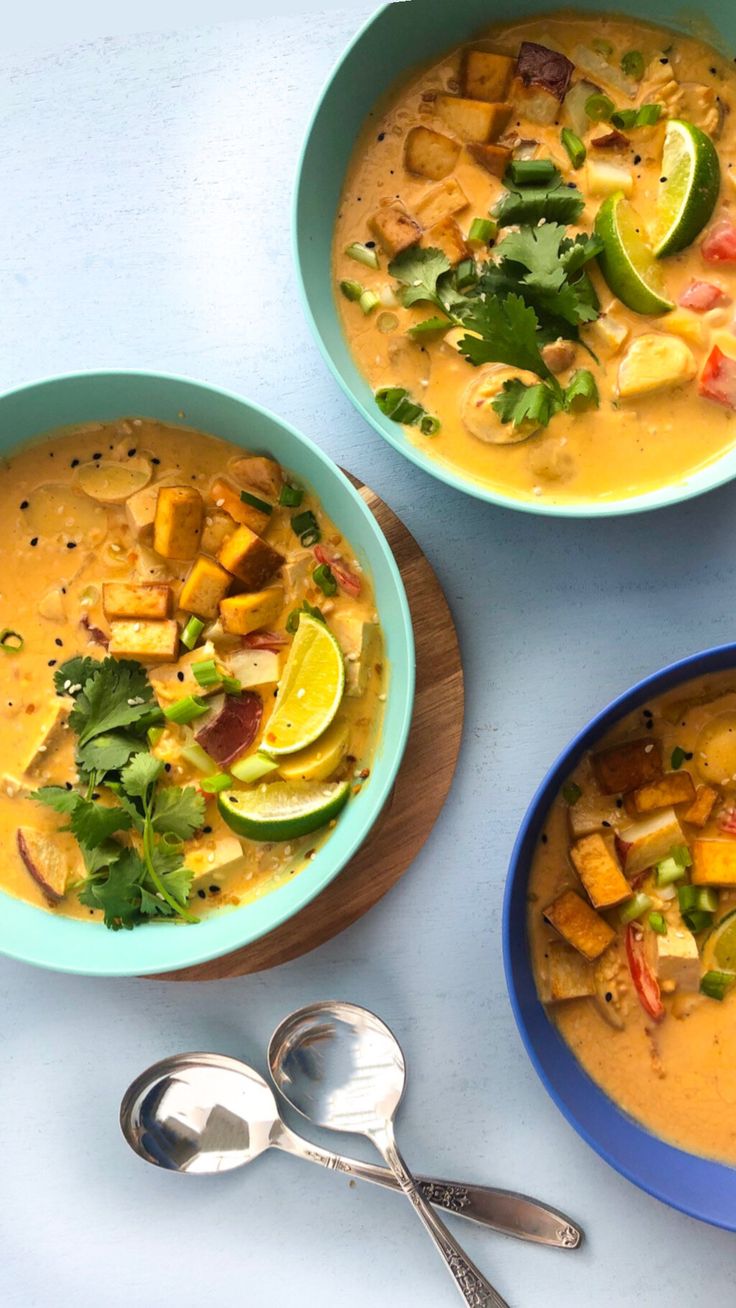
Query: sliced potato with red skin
{"x": 537, "y": 65}
{"x": 44, "y": 861}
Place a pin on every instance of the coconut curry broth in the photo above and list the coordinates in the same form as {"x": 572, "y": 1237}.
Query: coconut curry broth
{"x": 65, "y": 545}
{"x": 625, "y": 447}
{"x": 641, "y": 1026}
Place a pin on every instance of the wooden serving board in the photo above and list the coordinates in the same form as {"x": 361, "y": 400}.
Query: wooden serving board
{"x": 421, "y": 786}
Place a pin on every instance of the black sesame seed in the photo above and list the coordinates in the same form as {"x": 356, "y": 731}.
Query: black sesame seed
{"x": 156, "y": 461}
{"x": 202, "y": 894}
{"x": 206, "y": 830}
{"x": 98, "y": 455}
{"x": 604, "y": 823}
{"x": 370, "y": 245}
{"x": 544, "y": 837}
{"x": 52, "y": 663}
{"x": 381, "y": 136}
{"x": 180, "y": 676}
{"x": 71, "y": 544}
{"x": 34, "y": 540}
{"x": 96, "y": 795}
{"x": 68, "y": 785}
{"x": 637, "y": 158}
{"x": 664, "y": 61}
{"x": 24, "y": 504}
{"x": 167, "y": 767}
{"x": 74, "y": 463}
{"x": 609, "y": 996}
{"x": 58, "y": 641}
{"x": 131, "y": 453}
{"x": 214, "y": 890}
{"x": 619, "y": 803}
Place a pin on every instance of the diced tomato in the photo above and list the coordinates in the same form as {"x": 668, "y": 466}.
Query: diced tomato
{"x": 645, "y": 982}
{"x": 727, "y": 821}
{"x": 273, "y": 640}
{"x": 719, "y": 245}
{"x": 346, "y": 579}
{"x": 702, "y": 296}
{"x": 718, "y": 378}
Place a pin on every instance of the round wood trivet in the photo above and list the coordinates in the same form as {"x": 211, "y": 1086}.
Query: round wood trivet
{"x": 418, "y": 794}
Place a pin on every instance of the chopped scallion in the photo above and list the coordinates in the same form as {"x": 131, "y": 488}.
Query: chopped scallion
{"x": 429, "y": 425}
{"x": 716, "y": 984}
{"x": 483, "y": 230}
{"x": 153, "y": 736}
{"x": 466, "y": 274}
{"x": 255, "y": 503}
{"x": 602, "y": 47}
{"x": 290, "y": 497}
{"x": 681, "y": 854}
{"x": 657, "y": 923}
{"x": 678, "y": 758}
{"x": 637, "y": 906}
{"x": 324, "y": 577}
{"x": 303, "y": 522}
{"x": 253, "y": 767}
{"x": 396, "y": 404}
{"x": 292, "y": 622}
{"x": 702, "y": 897}
{"x": 206, "y": 673}
{"x": 11, "y": 642}
{"x": 186, "y": 710}
{"x": 574, "y": 147}
{"x": 571, "y": 792}
{"x": 644, "y": 116}
{"x": 669, "y": 871}
{"x": 632, "y": 65}
{"x": 198, "y": 758}
{"x": 599, "y": 107}
{"x": 362, "y": 254}
{"x": 213, "y": 785}
{"x": 532, "y": 172}
{"x": 231, "y": 685}
{"x": 193, "y": 629}
{"x": 368, "y": 302}
{"x": 352, "y": 290}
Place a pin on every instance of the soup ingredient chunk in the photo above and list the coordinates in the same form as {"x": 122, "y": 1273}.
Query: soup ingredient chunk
{"x": 178, "y": 522}
{"x": 430, "y": 154}
{"x": 205, "y": 587}
{"x": 599, "y": 872}
{"x": 148, "y": 642}
{"x": 310, "y": 689}
{"x": 142, "y": 600}
{"x": 626, "y": 766}
{"x": 233, "y": 729}
{"x": 45, "y": 861}
{"x": 576, "y": 922}
{"x": 250, "y": 558}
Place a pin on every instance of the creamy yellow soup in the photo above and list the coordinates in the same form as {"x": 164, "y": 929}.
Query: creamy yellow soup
{"x": 632, "y": 894}
{"x": 640, "y": 437}
{"x": 81, "y": 513}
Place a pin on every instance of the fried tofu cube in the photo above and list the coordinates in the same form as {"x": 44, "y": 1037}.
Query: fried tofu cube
{"x": 579, "y": 924}
{"x": 441, "y": 202}
{"x": 148, "y": 642}
{"x": 714, "y": 862}
{"x": 647, "y": 842}
{"x": 394, "y": 228}
{"x": 673, "y": 788}
{"x": 473, "y": 120}
{"x": 359, "y": 642}
{"x": 177, "y": 526}
{"x": 250, "y": 558}
{"x": 51, "y": 733}
{"x": 243, "y": 613}
{"x": 225, "y": 496}
{"x": 486, "y": 76}
{"x": 627, "y": 766}
{"x": 172, "y": 681}
{"x": 677, "y": 959}
{"x": 599, "y": 872}
{"x": 655, "y": 362}
{"x": 259, "y": 473}
{"x": 563, "y": 974}
{"x": 122, "y": 599}
{"x": 494, "y": 158}
{"x": 447, "y": 236}
{"x": 205, "y": 586}
{"x": 430, "y": 154}
{"x": 702, "y": 806}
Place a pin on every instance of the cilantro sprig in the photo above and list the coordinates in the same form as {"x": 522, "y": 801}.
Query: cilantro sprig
{"x": 120, "y": 795}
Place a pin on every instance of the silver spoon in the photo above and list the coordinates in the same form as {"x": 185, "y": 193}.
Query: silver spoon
{"x": 341, "y": 1067}
{"x": 205, "y": 1113}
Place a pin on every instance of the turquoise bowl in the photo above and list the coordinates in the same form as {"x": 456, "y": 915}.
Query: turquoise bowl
{"x": 397, "y": 39}
{"x": 36, "y": 936}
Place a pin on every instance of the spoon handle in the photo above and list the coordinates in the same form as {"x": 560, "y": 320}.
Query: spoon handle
{"x": 499, "y": 1210}
{"x": 472, "y": 1284}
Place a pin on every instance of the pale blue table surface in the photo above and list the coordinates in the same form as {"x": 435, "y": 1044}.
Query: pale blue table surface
{"x": 144, "y": 218}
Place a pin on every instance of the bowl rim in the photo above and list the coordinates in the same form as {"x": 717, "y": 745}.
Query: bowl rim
{"x": 305, "y": 887}
{"x": 671, "y": 1159}
{"x": 658, "y": 498}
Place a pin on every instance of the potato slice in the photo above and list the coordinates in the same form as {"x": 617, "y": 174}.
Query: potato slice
{"x": 111, "y": 482}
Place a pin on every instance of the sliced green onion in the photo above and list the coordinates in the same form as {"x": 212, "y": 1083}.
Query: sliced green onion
{"x": 186, "y": 710}
{"x": 602, "y": 47}
{"x": 292, "y": 622}
{"x": 193, "y": 629}
{"x": 571, "y": 792}
{"x": 702, "y": 897}
{"x": 231, "y": 685}
{"x": 657, "y": 923}
{"x": 311, "y": 537}
{"x": 632, "y": 65}
{"x": 352, "y": 290}
{"x": 213, "y": 785}
{"x": 696, "y": 919}
{"x": 153, "y": 736}
{"x": 397, "y": 405}
{"x": 531, "y": 172}
{"x": 198, "y": 758}
{"x": 324, "y": 577}
{"x": 302, "y": 522}
{"x": 669, "y": 871}
{"x": 716, "y": 984}
{"x": 599, "y": 107}
{"x": 253, "y": 768}
{"x": 483, "y": 230}
{"x": 362, "y": 254}
{"x": 624, "y": 118}
{"x": 388, "y": 398}
{"x": 11, "y": 642}
{"x": 681, "y": 854}
{"x": 466, "y": 273}
{"x": 429, "y": 425}
{"x": 678, "y": 758}
{"x": 575, "y": 148}
{"x": 206, "y": 673}
{"x": 429, "y": 327}
{"x": 255, "y": 503}
{"x": 290, "y": 497}
{"x": 369, "y": 301}
{"x": 648, "y": 114}
{"x": 407, "y": 411}
{"x": 637, "y": 906}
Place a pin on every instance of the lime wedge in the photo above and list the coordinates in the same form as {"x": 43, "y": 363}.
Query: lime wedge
{"x": 719, "y": 949}
{"x": 310, "y": 690}
{"x": 688, "y": 189}
{"x": 626, "y": 261}
{"x": 283, "y": 810}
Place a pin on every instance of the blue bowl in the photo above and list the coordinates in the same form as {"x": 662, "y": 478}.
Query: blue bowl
{"x": 697, "y": 1186}
{"x": 68, "y": 945}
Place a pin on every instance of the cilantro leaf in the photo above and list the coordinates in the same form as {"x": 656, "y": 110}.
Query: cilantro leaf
{"x": 177, "y": 878}
{"x": 108, "y": 752}
{"x": 119, "y": 893}
{"x": 58, "y": 798}
{"x": 537, "y": 251}
{"x": 140, "y": 774}
{"x": 71, "y": 676}
{"x": 179, "y": 811}
{"x": 520, "y": 403}
{"x": 507, "y": 328}
{"x": 539, "y": 263}
{"x": 418, "y": 270}
{"x": 559, "y": 202}
{"x": 117, "y": 694}
{"x": 92, "y": 823}
{"x": 102, "y": 856}
{"x": 582, "y": 391}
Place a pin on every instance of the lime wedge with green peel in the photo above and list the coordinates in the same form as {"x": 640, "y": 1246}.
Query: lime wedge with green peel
{"x": 310, "y": 690}
{"x": 688, "y": 188}
{"x": 626, "y": 261}
{"x": 284, "y": 809}
{"x": 719, "y": 949}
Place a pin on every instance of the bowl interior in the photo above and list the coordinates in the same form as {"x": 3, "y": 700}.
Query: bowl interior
{"x": 398, "y": 38}
{"x": 39, "y": 937}
{"x": 698, "y": 1186}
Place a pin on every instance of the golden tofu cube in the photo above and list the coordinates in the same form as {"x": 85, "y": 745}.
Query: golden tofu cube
{"x": 447, "y": 236}
{"x": 121, "y": 599}
{"x": 243, "y": 613}
{"x": 259, "y": 473}
{"x": 441, "y": 202}
{"x": 205, "y": 586}
{"x": 395, "y": 228}
{"x": 563, "y": 974}
{"x": 430, "y": 154}
{"x": 655, "y": 362}
{"x": 487, "y": 76}
{"x": 599, "y": 872}
{"x": 473, "y": 120}
{"x": 672, "y": 788}
{"x": 702, "y": 806}
{"x": 250, "y": 558}
{"x": 579, "y": 924}
{"x": 714, "y": 862}
{"x": 494, "y": 158}
{"x": 177, "y": 527}
{"x": 148, "y": 642}
{"x": 225, "y": 496}
{"x": 627, "y": 766}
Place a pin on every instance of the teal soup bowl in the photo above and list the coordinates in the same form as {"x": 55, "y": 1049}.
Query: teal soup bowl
{"x": 51, "y": 940}
{"x": 398, "y": 40}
